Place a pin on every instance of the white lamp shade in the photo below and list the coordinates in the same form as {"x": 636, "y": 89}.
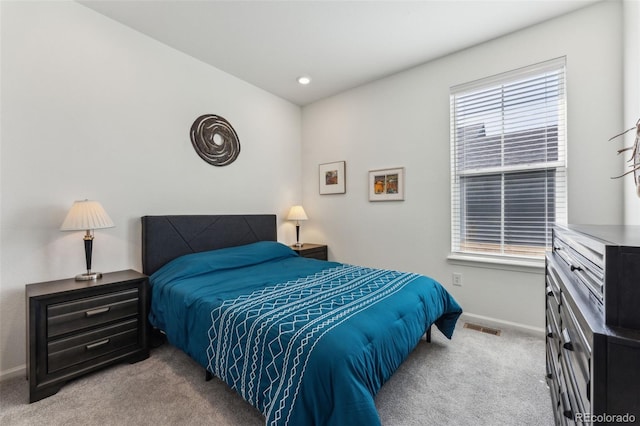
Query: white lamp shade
{"x": 297, "y": 213}
{"x": 86, "y": 215}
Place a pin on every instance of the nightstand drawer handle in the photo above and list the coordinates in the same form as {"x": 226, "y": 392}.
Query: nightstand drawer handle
{"x": 97, "y": 311}
{"x": 97, "y": 344}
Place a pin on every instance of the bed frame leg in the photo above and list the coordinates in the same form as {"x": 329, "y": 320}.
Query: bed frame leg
{"x": 207, "y": 375}
{"x": 429, "y": 334}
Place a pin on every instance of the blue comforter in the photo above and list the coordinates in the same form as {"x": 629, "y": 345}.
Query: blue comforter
{"x": 305, "y": 341}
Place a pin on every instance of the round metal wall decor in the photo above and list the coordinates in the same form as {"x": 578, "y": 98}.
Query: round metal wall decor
{"x": 214, "y": 140}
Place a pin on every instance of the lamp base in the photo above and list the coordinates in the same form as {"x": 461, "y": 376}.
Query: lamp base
{"x": 298, "y": 245}
{"x": 88, "y": 276}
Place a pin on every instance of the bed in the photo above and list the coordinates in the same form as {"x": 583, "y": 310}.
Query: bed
{"x": 303, "y": 340}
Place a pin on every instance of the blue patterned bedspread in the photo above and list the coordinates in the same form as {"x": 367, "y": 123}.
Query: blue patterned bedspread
{"x": 304, "y": 341}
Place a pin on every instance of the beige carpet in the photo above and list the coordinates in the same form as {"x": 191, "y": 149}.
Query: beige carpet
{"x": 474, "y": 379}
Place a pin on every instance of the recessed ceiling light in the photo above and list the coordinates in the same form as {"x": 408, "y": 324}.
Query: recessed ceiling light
{"x": 304, "y": 80}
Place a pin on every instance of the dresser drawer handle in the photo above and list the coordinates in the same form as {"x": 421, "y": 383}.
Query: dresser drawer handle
{"x": 97, "y": 344}
{"x": 568, "y": 345}
{"x": 549, "y": 291}
{"x": 549, "y": 331}
{"x": 575, "y": 268}
{"x": 97, "y": 311}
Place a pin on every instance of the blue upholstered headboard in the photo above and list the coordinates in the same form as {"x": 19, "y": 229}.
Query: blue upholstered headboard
{"x": 166, "y": 237}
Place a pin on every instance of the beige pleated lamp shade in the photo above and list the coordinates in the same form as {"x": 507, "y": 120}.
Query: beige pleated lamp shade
{"x": 297, "y": 213}
{"x": 86, "y": 215}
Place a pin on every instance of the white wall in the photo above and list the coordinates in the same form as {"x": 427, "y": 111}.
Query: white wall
{"x": 631, "y": 100}
{"x": 403, "y": 120}
{"x": 92, "y": 109}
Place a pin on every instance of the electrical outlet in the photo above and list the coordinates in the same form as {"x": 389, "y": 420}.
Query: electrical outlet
{"x": 457, "y": 279}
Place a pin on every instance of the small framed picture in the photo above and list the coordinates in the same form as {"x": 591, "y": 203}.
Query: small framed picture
{"x": 332, "y": 178}
{"x": 386, "y": 184}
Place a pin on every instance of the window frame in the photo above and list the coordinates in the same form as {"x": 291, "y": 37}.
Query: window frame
{"x": 461, "y": 253}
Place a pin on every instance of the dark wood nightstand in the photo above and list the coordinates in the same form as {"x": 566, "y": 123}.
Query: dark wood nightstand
{"x": 76, "y": 327}
{"x": 313, "y": 251}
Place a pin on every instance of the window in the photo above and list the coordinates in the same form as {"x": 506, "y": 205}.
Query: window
{"x": 508, "y": 161}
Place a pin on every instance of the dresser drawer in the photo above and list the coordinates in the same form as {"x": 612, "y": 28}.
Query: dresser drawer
{"x": 570, "y": 401}
{"x": 566, "y": 410}
{"x": 553, "y": 302}
{"x": 553, "y": 279}
{"x": 576, "y": 351}
{"x": 552, "y": 382}
{"x": 79, "y": 348}
{"x": 553, "y": 330}
{"x": 552, "y": 364}
{"x": 81, "y": 314}
{"x": 580, "y": 262}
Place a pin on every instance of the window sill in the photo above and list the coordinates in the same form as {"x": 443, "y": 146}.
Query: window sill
{"x": 533, "y": 266}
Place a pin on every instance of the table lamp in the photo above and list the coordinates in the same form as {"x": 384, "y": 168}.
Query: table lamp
{"x": 297, "y": 213}
{"x": 87, "y": 215}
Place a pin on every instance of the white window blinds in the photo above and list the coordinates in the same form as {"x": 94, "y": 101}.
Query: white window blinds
{"x": 508, "y": 138}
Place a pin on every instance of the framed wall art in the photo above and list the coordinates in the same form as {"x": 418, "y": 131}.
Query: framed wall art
{"x": 332, "y": 178}
{"x": 386, "y": 184}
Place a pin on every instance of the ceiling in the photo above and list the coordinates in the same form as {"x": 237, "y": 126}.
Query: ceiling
{"x": 339, "y": 44}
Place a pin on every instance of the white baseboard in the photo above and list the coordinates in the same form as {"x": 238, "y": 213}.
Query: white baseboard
{"x": 20, "y": 370}
{"x": 497, "y": 323}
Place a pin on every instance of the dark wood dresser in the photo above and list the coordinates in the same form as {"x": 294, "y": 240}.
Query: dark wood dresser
{"x": 593, "y": 324}
{"x": 76, "y": 327}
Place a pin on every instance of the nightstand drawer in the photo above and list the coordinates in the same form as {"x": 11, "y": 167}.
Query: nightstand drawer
{"x": 80, "y": 314}
{"x": 320, "y": 253}
{"x": 66, "y": 352}
{"x": 311, "y": 251}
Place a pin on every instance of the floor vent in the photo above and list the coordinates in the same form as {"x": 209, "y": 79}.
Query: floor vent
{"x": 483, "y": 329}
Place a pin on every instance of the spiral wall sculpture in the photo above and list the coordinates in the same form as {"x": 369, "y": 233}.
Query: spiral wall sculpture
{"x": 214, "y": 140}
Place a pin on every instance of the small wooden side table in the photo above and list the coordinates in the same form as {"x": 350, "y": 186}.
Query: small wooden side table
{"x": 76, "y": 327}
{"x": 313, "y": 251}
